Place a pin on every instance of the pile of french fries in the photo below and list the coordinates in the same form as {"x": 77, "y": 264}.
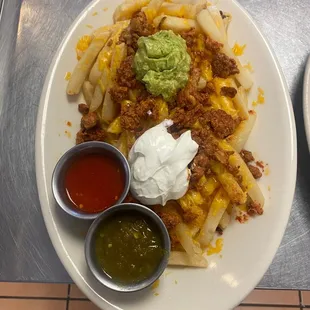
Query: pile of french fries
{"x": 218, "y": 194}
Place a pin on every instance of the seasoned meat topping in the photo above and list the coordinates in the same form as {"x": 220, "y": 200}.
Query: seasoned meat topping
{"x": 255, "y": 208}
{"x": 90, "y": 120}
{"x": 125, "y": 73}
{"x": 93, "y": 134}
{"x": 83, "y": 108}
{"x": 138, "y": 27}
{"x": 199, "y": 166}
{"x": 190, "y": 96}
{"x": 247, "y": 156}
{"x": 132, "y": 116}
{"x": 221, "y": 123}
{"x": 212, "y": 45}
{"x": 223, "y": 66}
{"x": 255, "y": 171}
{"x": 170, "y": 217}
{"x": 119, "y": 93}
{"x": 229, "y": 91}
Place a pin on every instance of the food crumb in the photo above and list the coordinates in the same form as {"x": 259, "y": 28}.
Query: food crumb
{"x": 175, "y": 282}
{"x": 89, "y": 26}
{"x": 110, "y": 245}
{"x": 156, "y": 294}
{"x": 242, "y": 218}
{"x": 69, "y": 124}
{"x": 254, "y": 103}
{"x": 105, "y": 9}
{"x": 68, "y": 76}
{"x": 269, "y": 188}
{"x": 116, "y": 197}
{"x": 238, "y": 49}
{"x": 95, "y": 13}
{"x": 68, "y": 134}
{"x": 167, "y": 273}
{"x": 81, "y": 206}
{"x": 155, "y": 284}
{"x": 267, "y": 171}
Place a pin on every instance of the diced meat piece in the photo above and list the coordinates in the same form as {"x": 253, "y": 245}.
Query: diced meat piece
{"x": 93, "y": 134}
{"x": 138, "y": 27}
{"x": 90, "y": 120}
{"x": 221, "y": 123}
{"x": 255, "y": 208}
{"x": 255, "y": 171}
{"x": 190, "y": 36}
{"x": 125, "y": 73}
{"x": 133, "y": 115}
{"x": 228, "y": 91}
{"x": 119, "y": 93}
{"x": 130, "y": 120}
{"x": 191, "y": 95}
{"x": 212, "y": 45}
{"x": 170, "y": 218}
{"x": 247, "y": 156}
{"x": 83, "y": 108}
{"x": 199, "y": 166}
{"x": 223, "y": 66}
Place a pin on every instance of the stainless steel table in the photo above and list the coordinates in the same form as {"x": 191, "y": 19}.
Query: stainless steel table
{"x": 30, "y": 32}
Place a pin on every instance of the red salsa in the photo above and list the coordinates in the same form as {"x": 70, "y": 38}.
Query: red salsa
{"x": 94, "y": 182}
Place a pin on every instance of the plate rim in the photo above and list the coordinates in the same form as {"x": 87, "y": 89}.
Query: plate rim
{"x": 41, "y": 177}
{"x": 306, "y": 100}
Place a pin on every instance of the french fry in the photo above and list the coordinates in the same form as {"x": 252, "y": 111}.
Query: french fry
{"x": 83, "y": 67}
{"x": 88, "y": 92}
{"x": 244, "y": 77}
{"x": 207, "y": 24}
{"x": 216, "y": 15}
{"x": 126, "y": 10}
{"x": 241, "y": 101}
{"x": 178, "y": 258}
{"x": 229, "y": 183}
{"x": 100, "y": 90}
{"x": 176, "y": 24}
{"x": 104, "y": 58}
{"x": 225, "y": 220}
{"x": 152, "y": 9}
{"x": 248, "y": 180}
{"x": 178, "y": 10}
{"x": 102, "y": 63}
{"x": 109, "y": 109}
{"x": 216, "y": 211}
{"x": 207, "y": 186}
{"x": 191, "y": 246}
{"x": 238, "y": 139}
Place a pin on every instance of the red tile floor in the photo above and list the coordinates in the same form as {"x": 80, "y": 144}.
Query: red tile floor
{"x": 29, "y": 296}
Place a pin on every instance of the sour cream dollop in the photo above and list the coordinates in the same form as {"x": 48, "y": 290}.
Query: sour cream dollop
{"x": 159, "y": 165}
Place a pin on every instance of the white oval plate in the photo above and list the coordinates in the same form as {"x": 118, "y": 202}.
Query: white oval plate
{"x": 306, "y": 100}
{"x": 248, "y": 248}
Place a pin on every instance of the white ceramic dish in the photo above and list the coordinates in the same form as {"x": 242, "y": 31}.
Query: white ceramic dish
{"x": 248, "y": 248}
{"x": 306, "y": 101}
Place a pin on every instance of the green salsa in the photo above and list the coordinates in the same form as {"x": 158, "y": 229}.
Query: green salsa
{"x": 128, "y": 247}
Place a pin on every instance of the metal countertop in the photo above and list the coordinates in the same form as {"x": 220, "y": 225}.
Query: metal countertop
{"x": 30, "y": 33}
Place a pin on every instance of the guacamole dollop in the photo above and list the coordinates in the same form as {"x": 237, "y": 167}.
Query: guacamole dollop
{"x": 162, "y": 63}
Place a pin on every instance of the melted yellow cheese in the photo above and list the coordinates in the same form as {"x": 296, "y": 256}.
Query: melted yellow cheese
{"x": 238, "y": 49}
{"x": 217, "y": 248}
